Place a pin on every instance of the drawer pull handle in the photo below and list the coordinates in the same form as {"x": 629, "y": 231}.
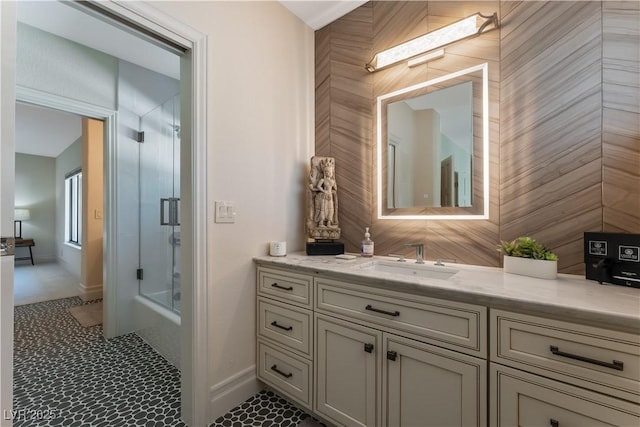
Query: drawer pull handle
{"x": 554, "y": 423}
{"x": 617, "y": 365}
{"x": 286, "y": 328}
{"x": 377, "y": 310}
{"x": 284, "y": 288}
{"x": 368, "y": 347}
{"x": 392, "y": 355}
{"x": 274, "y": 368}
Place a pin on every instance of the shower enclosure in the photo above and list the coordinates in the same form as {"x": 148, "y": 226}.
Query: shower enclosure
{"x": 159, "y": 213}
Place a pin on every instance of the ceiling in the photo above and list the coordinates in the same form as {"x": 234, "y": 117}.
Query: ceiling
{"x": 319, "y": 13}
{"x": 73, "y": 24}
{"x": 46, "y": 132}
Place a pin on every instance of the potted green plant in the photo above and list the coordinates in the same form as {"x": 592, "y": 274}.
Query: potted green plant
{"x": 527, "y": 257}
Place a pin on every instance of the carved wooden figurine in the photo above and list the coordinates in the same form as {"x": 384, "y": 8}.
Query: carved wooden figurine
{"x": 322, "y": 211}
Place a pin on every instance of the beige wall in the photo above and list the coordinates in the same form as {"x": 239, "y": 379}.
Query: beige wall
{"x": 555, "y": 144}
{"x": 92, "y": 209}
{"x": 260, "y": 139}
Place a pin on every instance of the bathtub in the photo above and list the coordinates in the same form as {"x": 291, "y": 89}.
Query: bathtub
{"x": 158, "y": 326}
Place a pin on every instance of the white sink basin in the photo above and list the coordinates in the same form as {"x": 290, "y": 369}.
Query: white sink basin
{"x": 411, "y": 269}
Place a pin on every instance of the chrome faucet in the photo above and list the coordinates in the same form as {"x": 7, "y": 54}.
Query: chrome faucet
{"x": 419, "y": 252}
{"x": 400, "y": 257}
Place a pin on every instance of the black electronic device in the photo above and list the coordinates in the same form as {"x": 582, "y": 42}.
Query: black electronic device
{"x": 320, "y": 247}
{"x": 613, "y": 258}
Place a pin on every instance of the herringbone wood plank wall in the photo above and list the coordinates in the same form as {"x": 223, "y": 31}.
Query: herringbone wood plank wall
{"x": 550, "y": 129}
{"x": 565, "y": 155}
{"x": 621, "y": 116}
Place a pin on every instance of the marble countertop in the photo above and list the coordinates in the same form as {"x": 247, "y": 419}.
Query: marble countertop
{"x": 569, "y": 297}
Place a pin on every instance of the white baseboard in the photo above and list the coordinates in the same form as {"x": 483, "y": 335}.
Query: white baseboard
{"x": 89, "y": 293}
{"x": 231, "y": 392}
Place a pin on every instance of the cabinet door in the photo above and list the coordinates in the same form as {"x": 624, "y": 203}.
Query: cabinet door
{"x": 430, "y": 386}
{"x": 348, "y": 372}
{"x": 522, "y": 399}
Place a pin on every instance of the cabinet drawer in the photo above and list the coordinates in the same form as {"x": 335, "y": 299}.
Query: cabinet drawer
{"x": 285, "y": 372}
{"x": 286, "y": 286}
{"x": 291, "y": 327}
{"x": 454, "y": 325}
{"x": 599, "y": 359}
{"x": 521, "y": 399}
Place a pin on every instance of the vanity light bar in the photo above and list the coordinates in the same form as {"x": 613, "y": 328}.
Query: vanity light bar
{"x": 474, "y": 25}
{"x": 426, "y": 58}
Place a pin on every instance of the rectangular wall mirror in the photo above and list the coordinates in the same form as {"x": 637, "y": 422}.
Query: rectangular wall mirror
{"x": 433, "y": 148}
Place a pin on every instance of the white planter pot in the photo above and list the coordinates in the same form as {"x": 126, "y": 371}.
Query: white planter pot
{"x": 539, "y": 268}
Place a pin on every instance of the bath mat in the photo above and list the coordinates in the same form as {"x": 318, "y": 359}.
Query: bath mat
{"x": 309, "y": 422}
{"x": 88, "y": 314}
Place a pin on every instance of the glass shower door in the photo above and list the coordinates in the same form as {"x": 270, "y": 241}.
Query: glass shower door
{"x": 159, "y": 187}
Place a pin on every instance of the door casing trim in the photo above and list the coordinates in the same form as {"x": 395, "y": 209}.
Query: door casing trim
{"x": 195, "y": 340}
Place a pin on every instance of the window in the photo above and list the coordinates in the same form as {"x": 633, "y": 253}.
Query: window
{"x": 73, "y": 207}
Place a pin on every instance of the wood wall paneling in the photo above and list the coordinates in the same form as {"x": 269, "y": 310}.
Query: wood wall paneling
{"x": 621, "y": 116}
{"x": 322, "y": 91}
{"x": 550, "y": 126}
{"x": 343, "y": 115}
{"x": 564, "y": 113}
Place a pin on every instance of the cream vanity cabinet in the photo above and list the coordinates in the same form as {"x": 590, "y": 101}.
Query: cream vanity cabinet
{"x": 285, "y": 333}
{"x": 386, "y": 358}
{"x": 552, "y": 373}
{"x": 373, "y": 357}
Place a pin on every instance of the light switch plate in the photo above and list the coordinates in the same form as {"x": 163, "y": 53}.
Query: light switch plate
{"x": 225, "y": 212}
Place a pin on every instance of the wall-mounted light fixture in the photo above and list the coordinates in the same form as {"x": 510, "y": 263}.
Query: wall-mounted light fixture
{"x": 474, "y": 25}
{"x": 436, "y": 54}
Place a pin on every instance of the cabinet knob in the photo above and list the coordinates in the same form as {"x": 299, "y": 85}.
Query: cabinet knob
{"x": 368, "y": 347}
{"x": 392, "y": 355}
{"x": 554, "y": 423}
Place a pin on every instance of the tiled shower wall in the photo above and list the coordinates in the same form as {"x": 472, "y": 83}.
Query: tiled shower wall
{"x": 564, "y": 114}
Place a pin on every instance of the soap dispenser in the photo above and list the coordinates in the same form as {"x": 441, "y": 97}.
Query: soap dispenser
{"x": 366, "y": 247}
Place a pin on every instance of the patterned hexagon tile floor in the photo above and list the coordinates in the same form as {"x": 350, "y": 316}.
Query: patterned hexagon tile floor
{"x": 68, "y": 375}
{"x": 265, "y": 409}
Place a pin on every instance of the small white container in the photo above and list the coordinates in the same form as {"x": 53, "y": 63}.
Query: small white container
{"x": 539, "y": 268}
{"x": 277, "y": 248}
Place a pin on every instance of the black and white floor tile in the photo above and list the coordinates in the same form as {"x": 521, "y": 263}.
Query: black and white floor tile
{"x": 68, "y": 375}
{"x": 265, "y": 409}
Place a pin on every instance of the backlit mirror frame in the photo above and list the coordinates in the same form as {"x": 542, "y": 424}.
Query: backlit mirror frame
{"x": 479, "y": 210}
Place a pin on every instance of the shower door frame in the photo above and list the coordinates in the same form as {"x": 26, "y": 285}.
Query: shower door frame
{"x": 157, "y": 237}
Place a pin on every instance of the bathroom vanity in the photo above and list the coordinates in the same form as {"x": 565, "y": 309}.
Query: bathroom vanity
{"x": 377, "y": 342}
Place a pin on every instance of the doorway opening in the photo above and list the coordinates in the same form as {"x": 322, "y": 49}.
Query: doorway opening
{"x": 193, "y": 210}
{"x": 48, "y": 148}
